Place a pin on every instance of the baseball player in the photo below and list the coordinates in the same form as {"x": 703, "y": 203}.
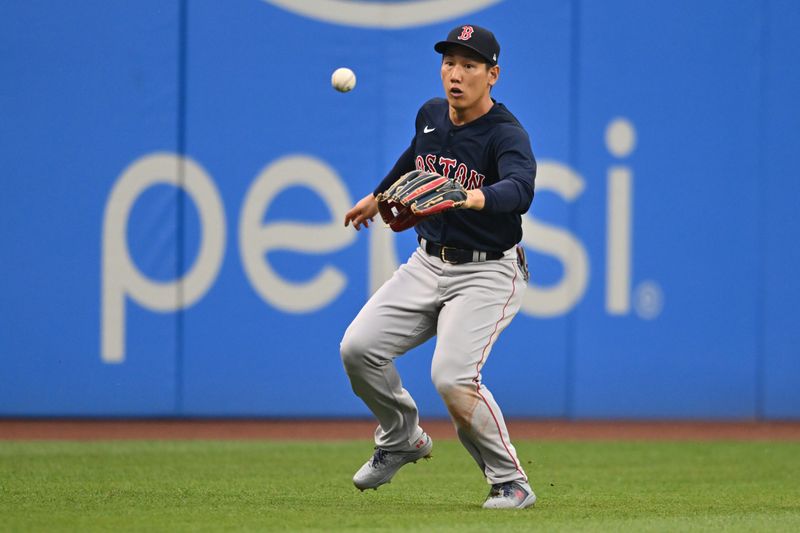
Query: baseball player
{"x": 464, "y": 283}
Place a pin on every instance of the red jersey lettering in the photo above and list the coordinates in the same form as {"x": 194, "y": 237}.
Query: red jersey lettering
{"x": 447, "y": 165}
{"x": 475, "y": 180}
{"x": 461, "y": 174}
{"x": 430, "y": 162}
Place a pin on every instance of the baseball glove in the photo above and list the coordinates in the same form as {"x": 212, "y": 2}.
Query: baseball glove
{"x": 416, "y": 195}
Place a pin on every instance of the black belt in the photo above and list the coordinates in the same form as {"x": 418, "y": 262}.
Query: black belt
{"x": 456, "y": 256}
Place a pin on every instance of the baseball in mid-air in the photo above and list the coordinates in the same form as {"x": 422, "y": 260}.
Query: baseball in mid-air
{"x": 343, "y": 79}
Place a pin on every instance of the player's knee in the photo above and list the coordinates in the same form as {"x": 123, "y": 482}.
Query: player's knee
{"x": 353, "y": 350}
{"x": 443, "y": 381}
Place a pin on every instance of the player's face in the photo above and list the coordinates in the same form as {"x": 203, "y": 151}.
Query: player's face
{"x": 466, "y": 79}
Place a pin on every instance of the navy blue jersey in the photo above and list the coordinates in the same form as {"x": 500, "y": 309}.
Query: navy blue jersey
{"x": 491, "y": 153}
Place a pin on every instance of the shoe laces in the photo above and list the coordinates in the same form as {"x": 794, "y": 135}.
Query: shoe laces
{"x": 379, "y": 457}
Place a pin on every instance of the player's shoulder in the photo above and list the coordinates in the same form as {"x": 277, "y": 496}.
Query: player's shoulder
{"x": 434, "y": 104}
{"x": 506, "y": 125}
{"x": 504, "y": 120}
{"x": 432, "y": 113}
{"x": 508, "y": 130}
{"x": 435, "y": 107}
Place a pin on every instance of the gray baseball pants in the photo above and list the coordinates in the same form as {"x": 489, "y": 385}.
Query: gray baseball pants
{"x": 466, "y": 307}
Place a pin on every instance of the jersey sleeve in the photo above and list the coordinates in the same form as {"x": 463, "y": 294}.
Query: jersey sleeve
{"x": 405, "y": 163}
{"x": 516, "y": 169}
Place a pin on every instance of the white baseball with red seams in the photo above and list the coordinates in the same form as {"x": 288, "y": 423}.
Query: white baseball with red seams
{"x": 343, "y": 79}
{"x": 466, "y": 306}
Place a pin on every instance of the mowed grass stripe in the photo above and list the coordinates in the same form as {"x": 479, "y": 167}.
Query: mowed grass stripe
{"x": 273, "y": 485}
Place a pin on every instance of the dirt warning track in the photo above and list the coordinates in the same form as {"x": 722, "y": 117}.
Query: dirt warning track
{"x": 328, "y": 429}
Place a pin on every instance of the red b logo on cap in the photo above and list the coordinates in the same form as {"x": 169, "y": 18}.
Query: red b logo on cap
{"x": 466, "y": 33}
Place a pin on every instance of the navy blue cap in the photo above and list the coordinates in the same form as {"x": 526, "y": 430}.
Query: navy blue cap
{"x": 477, "y": 39}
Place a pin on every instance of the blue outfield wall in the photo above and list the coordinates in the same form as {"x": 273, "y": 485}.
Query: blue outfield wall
{"x": 174, "y": 175}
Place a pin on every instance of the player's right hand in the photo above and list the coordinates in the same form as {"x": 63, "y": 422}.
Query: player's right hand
{"x": 362, "y": 213}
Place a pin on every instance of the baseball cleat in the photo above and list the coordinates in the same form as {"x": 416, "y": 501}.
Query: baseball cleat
{"x": 511, "y": 495}
{"x": 383, "y": 464}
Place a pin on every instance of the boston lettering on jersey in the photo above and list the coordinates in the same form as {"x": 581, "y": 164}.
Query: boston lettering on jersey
{"x": 469, "y": 179}
{"x": 492, "y": 153}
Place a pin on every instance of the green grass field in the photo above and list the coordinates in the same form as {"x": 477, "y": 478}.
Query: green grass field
{"x": 216, "y": 485}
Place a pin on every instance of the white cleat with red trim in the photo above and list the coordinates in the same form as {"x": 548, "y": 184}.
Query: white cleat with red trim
{"x": 383, "y": 464}
{"x": 511, "y": 495}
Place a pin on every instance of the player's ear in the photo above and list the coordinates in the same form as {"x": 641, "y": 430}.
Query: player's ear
{"x": 494, "y": 74}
